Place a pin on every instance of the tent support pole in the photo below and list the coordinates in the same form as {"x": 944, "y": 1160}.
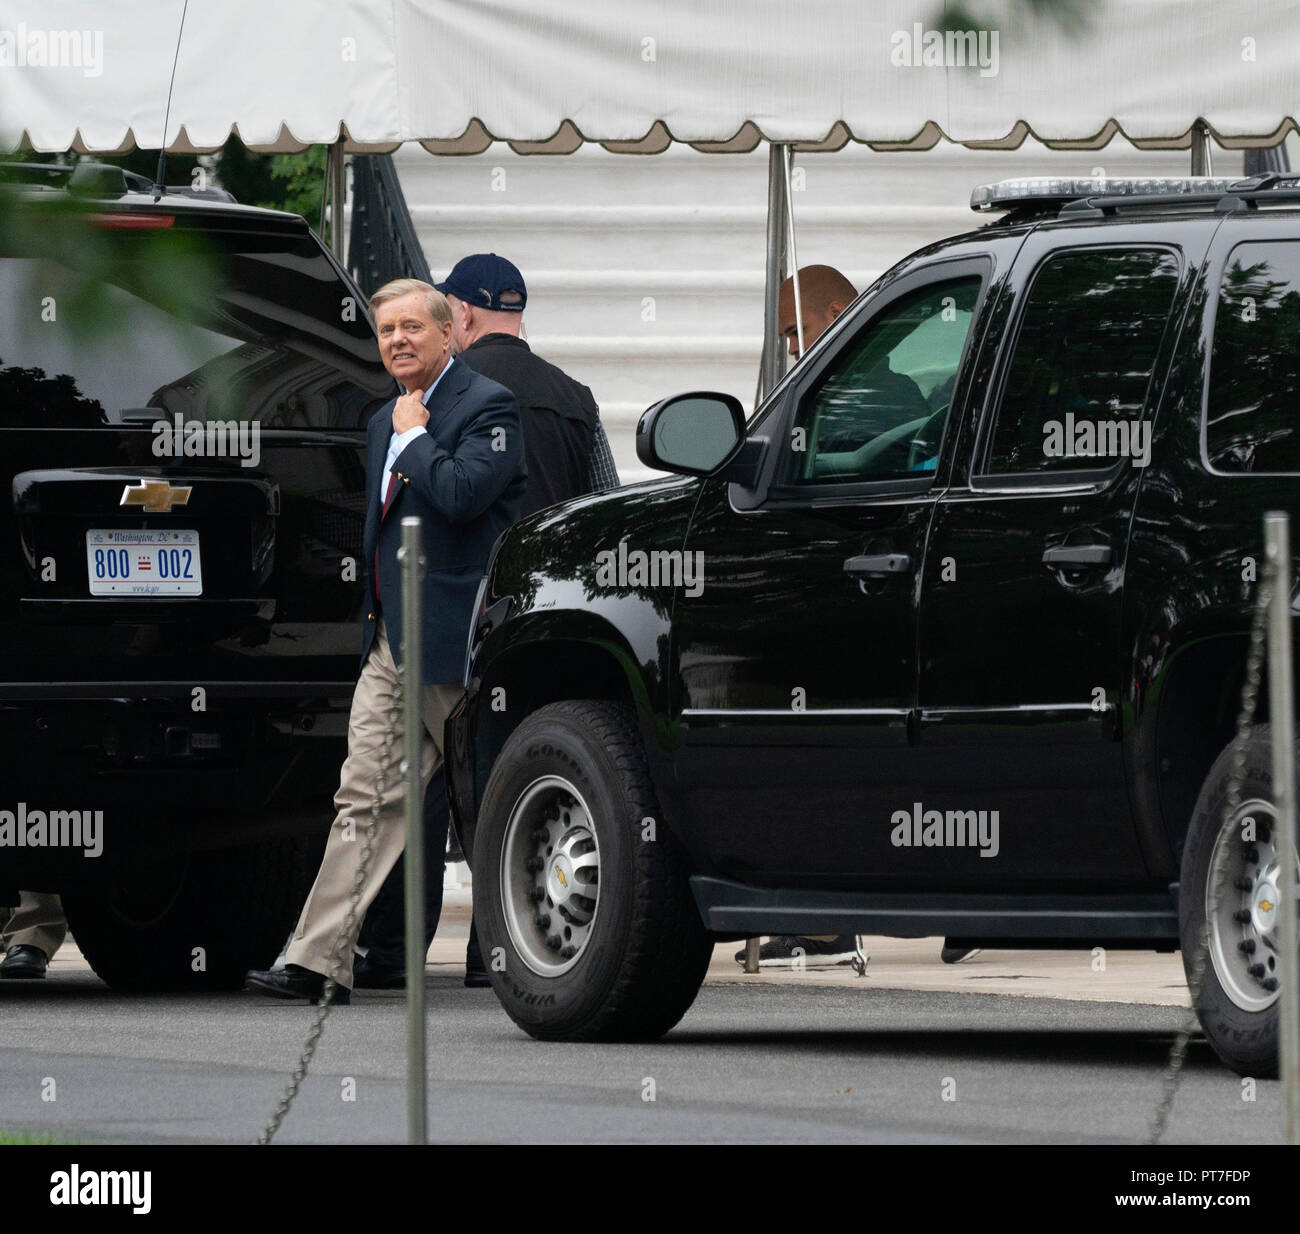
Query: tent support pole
{"x": 792, "y": 252}
{"x": 1202, "y": 164}
{"x": 772, "y": 365}
{"x": 333, "y": 197}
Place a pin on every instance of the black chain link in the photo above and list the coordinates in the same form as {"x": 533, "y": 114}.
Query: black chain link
{"x": 336, "y": 960}
{"x": 1231, "y": 801}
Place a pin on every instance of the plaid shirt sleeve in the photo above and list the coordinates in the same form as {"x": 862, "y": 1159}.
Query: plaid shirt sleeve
{"x": 603, "y": 474}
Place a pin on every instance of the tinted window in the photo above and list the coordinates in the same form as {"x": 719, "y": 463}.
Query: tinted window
{"x": 141, "y": 323}
{"x": 1252, "y": 415}
{"x": 1078, "y": 379}
{"x": 879, "y": 411}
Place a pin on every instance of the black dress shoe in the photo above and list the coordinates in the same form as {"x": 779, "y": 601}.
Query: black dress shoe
{"x": 477, "y": 978}
{"x": 367, "y": 976}
{"x": 294, "y": 981}
{"x": 476, "y": 974}
{"x": 24, "y": 961}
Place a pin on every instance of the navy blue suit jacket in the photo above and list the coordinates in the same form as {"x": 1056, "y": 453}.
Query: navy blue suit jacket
{"x": 465, "y": 478}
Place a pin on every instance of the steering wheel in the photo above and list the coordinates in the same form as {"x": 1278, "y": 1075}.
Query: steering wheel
{"x": 925, "y": 445}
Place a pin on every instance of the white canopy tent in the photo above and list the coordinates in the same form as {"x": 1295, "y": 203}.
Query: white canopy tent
{"x": 365, "y": 76}
{"x": 635, "y": 74}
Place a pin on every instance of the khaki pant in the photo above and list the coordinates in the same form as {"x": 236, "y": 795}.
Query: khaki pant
{"x": 37, "y": 922}
{"x": 316, "y": 939}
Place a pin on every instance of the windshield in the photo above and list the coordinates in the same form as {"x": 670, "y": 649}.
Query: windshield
{"x": 126, "y": 325}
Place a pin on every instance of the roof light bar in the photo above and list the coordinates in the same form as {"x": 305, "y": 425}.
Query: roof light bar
{"x": 1047, "y": 189}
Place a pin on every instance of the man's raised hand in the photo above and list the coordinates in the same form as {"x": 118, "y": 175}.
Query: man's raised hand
{"x": 410, "y": 412}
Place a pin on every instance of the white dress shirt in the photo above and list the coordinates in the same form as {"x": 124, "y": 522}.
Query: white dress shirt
{"x": 400, "y": 441}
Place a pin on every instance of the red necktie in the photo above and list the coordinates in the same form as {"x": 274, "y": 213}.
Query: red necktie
{"x": 388, "y": 501}
{"x": 388, "y": 496}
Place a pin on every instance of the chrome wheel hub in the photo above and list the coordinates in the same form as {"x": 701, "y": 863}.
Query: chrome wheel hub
{"x": 1243, "y": 926}
{"x": 550, "y": 875}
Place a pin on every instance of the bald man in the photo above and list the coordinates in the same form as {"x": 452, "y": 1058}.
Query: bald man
{"x": 824, "y": 293}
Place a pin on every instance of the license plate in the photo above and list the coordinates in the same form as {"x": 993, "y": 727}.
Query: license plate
{"x": 144, "y": 563}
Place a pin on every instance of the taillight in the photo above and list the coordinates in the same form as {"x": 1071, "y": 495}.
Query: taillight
{"x": 132, "y": 222}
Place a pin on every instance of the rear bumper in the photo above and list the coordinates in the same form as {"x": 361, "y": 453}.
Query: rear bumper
{"x": 205, "y": 754}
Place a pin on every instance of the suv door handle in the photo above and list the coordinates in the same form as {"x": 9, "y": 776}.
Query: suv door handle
{"x": 1076, "y": 555}
{"x": 877, "y": 565}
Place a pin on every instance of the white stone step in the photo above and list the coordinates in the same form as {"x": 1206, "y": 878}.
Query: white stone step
{"x": 653, "y": 303}
{"x": 680, "y": 239}
{"x": 681, "y": 176}
{"x": 635, "y": 372}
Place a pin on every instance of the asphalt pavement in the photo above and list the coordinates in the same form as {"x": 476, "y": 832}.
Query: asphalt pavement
{"x": 1061, "y": 1052}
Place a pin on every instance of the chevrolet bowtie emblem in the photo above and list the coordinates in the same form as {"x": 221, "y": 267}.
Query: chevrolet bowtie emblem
{"x": 156, "y": 496}
{"x": 1266, "y": 906}
{"x": 564, "y": 882}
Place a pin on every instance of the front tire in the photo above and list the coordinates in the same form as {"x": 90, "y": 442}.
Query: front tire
{"x": 579, "y": 887}
{"x": 1234, "y": 861}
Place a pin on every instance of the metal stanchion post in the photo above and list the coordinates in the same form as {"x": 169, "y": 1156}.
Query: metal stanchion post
{"x": 751, "y": 955}
{"x": 1277, "y": 545}
{"x": 412, "y": 690}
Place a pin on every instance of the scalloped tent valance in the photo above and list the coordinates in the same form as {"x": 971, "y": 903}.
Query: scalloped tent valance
{"x": 635, "y": 75}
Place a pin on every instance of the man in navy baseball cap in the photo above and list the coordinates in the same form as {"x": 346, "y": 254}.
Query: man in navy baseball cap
{"x": 487, "y": 282}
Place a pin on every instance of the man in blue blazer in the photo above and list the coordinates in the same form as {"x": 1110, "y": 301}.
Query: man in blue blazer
{"x": 451, "y": 451}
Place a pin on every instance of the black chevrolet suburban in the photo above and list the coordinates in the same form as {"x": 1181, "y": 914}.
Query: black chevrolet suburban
{"x": 184, "y": 388}
{"x": 948, "y": 639}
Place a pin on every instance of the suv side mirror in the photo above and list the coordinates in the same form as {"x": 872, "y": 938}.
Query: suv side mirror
{"x": 691, "y": 434}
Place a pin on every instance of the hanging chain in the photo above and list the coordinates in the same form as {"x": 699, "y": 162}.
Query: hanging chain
{"x": 1232, "y": 799}
{"x": 336, "y": 960}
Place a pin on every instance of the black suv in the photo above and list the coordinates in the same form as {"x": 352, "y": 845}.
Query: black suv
{"x": 947, "y": 640}
{"x": 184, "y": 389}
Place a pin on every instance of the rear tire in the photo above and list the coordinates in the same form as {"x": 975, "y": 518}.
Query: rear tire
{"x": 1237, "y": 1009}
{"x": 192, "y": 921}
{"x": 570, "y": 833}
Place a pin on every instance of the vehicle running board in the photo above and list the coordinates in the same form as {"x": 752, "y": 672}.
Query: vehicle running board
{"x": 1127, "y": 918}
